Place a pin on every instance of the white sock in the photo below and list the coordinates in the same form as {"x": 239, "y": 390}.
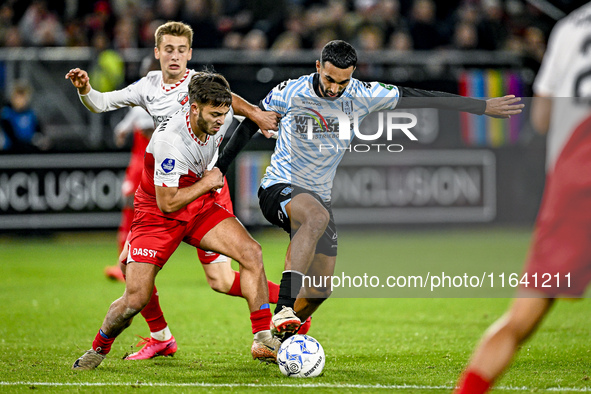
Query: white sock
{"x": 162, "y": 335}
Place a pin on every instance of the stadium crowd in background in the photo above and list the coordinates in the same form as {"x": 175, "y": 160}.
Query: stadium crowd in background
{"x": 282, "y": 25}
{"x": 110, "y": 26}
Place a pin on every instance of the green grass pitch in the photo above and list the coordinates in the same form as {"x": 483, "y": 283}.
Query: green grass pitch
{"x": 53, "y": 297}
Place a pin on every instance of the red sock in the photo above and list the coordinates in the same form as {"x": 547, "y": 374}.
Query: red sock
{"x": 235, "y": 289}
{"x": 260, "y": 320}
{"x": 153, "y": 313}
{"x": 102, "y": 344}
{"x": 237, "y": 292}
{"x": 273, "y": 292}
{"x": 473, "y": 384}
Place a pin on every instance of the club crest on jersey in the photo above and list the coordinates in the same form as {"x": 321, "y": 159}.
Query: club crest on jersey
{"x": 168, "y": 165}
{"x": 347, "y": 106}
{"x": 183, "y": 98}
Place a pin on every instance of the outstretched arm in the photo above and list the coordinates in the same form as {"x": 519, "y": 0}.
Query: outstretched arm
{"x": 503, "y": 107}
{"x": 498, "y": 107}
{"x": 98, "y": 102}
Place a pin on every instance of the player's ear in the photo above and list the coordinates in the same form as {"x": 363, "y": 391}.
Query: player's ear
{"x": 156, "y": 53}
{"x": 195, "y": 108}
{"x": 318, "y": 66}
{"x": 190, "y": 54}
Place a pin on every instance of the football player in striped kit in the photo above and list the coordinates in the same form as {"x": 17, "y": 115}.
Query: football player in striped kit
{"x": 295, "y": 190}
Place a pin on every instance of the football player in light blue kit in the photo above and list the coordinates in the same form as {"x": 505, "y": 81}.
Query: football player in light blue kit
{"x": 295, "y": 191}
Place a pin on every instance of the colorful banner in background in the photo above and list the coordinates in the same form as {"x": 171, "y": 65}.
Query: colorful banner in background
{"x": 481, "y": 131}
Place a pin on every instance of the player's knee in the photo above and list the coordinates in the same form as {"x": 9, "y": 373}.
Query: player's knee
{"x": 317, "y": 221}
{"x": 136, "y": 302}
{"x": 219, "y": 284}
{"x": 253, "y": 255}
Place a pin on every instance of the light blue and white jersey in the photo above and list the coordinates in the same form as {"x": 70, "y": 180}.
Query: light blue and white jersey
{"x": 313, "y": 133}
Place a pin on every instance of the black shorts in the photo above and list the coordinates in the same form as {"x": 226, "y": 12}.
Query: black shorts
{"x": 272, "y": 201}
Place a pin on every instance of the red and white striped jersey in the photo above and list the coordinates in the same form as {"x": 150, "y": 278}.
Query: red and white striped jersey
{"x": 565, "y": 75}
{"x": 175, "y": 157}
{"x": 150, "y": 92}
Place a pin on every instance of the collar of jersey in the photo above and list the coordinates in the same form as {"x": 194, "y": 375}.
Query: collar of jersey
{"x": 167, "y": 88}
{"x": 197, "y": 140}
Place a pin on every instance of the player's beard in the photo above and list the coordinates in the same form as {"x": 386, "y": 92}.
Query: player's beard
{"x": 325, "y": 95}
{"x": 206, "y": 127}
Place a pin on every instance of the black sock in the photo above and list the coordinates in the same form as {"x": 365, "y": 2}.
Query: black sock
{"x": 291, "y": 283}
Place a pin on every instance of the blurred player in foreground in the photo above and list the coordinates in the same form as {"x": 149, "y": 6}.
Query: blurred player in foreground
{"x": 176, "y": 202}
{"x": 559, "y": 261}
{"x": 162, "y": 93}
{"x": 295, "y": 192}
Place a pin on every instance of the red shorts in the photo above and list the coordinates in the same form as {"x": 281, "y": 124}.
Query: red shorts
{"x": 222, "y": 199}
{"x": 154, "y": 238}
{"x": 560, "y": 255}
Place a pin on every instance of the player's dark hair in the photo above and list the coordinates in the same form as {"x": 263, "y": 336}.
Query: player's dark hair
{"x": 209, "y": 88}
{"x": 339, "y": 53}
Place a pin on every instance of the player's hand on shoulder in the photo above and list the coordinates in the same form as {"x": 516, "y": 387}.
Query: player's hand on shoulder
{"x": 214, "y": 179}
{"x": 503, "y": 107}
{"x": 267, "y": 121}
{"x": 79, "y": 79}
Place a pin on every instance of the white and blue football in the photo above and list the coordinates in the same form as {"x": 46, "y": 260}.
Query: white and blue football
{"x": 301, "y": 356}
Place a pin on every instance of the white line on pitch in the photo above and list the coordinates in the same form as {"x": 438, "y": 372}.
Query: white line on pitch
{"x": 287, "y": 385}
